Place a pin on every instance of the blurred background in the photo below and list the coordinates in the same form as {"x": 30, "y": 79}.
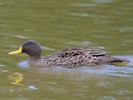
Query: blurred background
{"x": 59, "y": 24}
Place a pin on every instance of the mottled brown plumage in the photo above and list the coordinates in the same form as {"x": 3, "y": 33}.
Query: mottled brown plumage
{"x": 72, "y": 57}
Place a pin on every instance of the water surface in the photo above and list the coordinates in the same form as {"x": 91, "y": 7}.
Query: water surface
{"x": 103, "y": 24}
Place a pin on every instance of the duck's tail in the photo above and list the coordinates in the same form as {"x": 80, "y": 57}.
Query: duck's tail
{"x": 119, "y": 61}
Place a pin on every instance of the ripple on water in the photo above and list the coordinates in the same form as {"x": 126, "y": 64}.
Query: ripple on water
{"x": 22, "y": 37}
{"x": 77, "y": 43}
{"x": 84, "y": 5}
{"x": 110, "y": 70}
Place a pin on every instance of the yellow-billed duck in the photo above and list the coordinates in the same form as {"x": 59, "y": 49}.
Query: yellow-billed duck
{"x": 71, "y": 57}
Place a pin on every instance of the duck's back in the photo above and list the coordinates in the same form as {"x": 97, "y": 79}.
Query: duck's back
{"x": 73, "y": 57}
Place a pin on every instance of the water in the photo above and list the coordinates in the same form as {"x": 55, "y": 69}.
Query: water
{"x": 104, "y": 24}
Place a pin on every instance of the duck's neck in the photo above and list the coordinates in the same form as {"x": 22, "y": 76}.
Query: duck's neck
{"x": 35, "y": 57}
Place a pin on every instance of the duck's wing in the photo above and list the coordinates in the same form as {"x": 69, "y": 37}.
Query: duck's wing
{"x": 72, "y": 52}
{"x": 77, "y": 57}
{"x": 97, "y": 52}
{"x": 80, "y": 51}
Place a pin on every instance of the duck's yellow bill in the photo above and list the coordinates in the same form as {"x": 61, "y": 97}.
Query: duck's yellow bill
{"x": 16, "y": 52}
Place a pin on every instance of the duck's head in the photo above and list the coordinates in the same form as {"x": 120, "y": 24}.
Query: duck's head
{"x": 30, "y": 47}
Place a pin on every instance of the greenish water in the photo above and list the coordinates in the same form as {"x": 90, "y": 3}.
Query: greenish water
{"x": 59, "y": 24}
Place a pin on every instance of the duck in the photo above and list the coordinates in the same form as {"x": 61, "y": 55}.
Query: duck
{"x": 69, "y": 58}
